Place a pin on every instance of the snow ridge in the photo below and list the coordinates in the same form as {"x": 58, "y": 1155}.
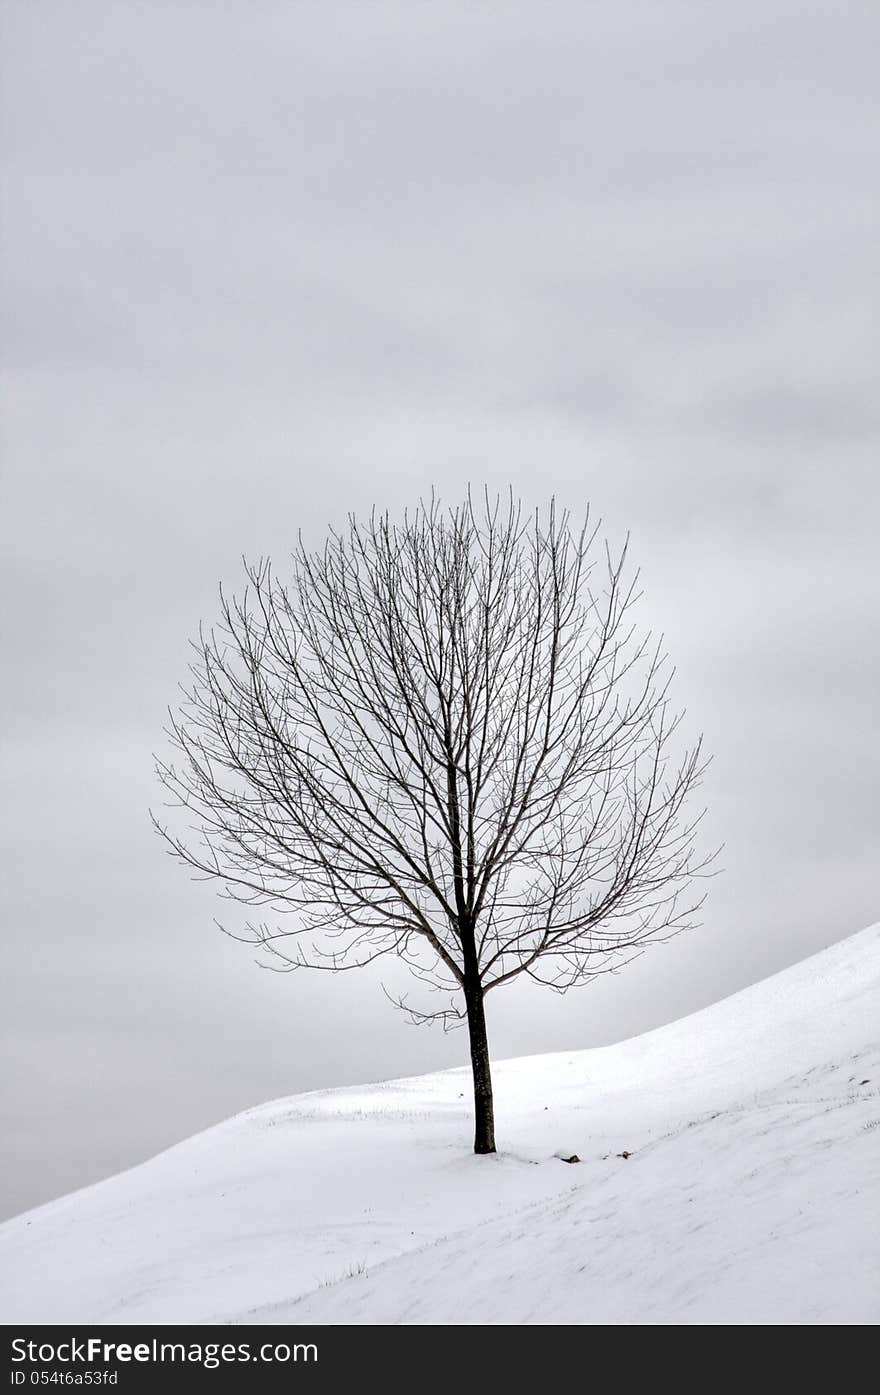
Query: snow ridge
{"x": 750, "y": 1193}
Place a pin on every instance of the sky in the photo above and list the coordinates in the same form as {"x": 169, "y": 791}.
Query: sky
{"x": 268, "y": 263}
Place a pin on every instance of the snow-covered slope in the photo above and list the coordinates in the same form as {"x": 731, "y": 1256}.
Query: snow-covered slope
{"x": 751, "y": 1193}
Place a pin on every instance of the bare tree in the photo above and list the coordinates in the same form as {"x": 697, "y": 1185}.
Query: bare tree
{"x": 441, "y": 739}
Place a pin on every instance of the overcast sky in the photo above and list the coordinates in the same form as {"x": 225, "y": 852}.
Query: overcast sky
{"x": 267, "y": 262}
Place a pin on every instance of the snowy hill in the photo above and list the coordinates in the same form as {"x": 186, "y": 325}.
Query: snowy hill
{"x": 751, "y": 1193}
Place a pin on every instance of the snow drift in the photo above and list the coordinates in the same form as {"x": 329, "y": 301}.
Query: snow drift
{"x": 750, "y": 1193}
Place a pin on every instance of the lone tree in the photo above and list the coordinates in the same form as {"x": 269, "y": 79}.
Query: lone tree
{"x": 441, "y": 739}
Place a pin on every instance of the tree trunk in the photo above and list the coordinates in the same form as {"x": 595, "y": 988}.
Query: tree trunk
{"x": 484, "y": 1114}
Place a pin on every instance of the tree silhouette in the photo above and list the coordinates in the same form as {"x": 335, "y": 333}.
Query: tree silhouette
{"x": 443, "y": 739}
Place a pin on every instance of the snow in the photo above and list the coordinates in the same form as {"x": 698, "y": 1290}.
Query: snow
{"x": 751, "y": 1193}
